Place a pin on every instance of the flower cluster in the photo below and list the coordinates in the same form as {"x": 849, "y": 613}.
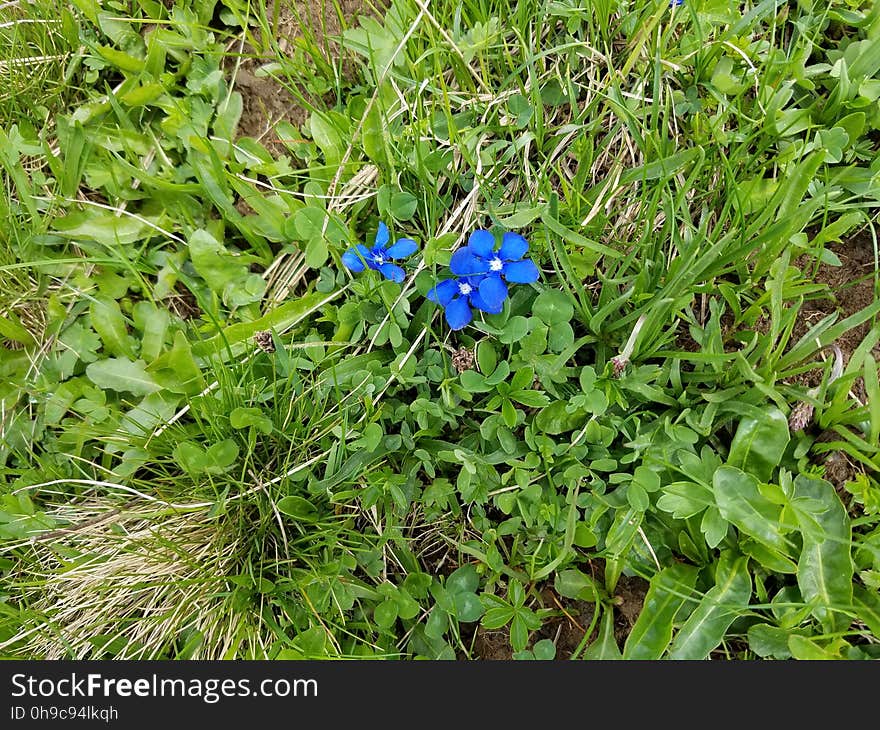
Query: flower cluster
{"x": 481, "y": 275}
{"x": 480, "y": 272}
{"x": 381, "y": 255}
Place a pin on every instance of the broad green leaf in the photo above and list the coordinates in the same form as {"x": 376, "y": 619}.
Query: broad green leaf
{"x": 118, "y": 373}
{"x": 727, "y": 599}
{"x": 106, "y": 228}
{"x": 768, "y": 557}
{"x": 867, "y": 606}
{"x": 759, "y": 443}
{"x": 825, "y": 568}
{"x": 403, "y": 206}
{"x": 250, "y": 417}
{"x": 669, "y": 591}
{"x": 212, "y": 261}
{"x": 153, "y": 323}
{"x": 574, "y": 583}
{"x": 327, "y": 138}
{"x": 555, "y": 419}
{"x": 385, "y": 614}
{"x": 741, "y": 503}
{"x": 176, "y": 369}
{"x": 468, "y": 607}
{"x": 463, "y": 580}
{"x": 807, "y": 649}
{"x": 553, "y": 307}
{"x": 604, "y": 648}
{"x": 154, "y": 409}
{"x": 224, "y": 273}
{"x": 108, "y": 321}
{"x": 221, "y": 456}
{"x": 770, "y": 641}
{"x": 316, "y": 252}
{"x": 623, "y": 530}
{"x": 297, "y": 507}
{"x": 487, "y": 358}
{"x": 11, "y": 328}
{"x": 120, "y": 59}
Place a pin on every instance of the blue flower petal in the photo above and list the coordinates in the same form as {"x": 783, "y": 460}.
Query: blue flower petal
{"x": 381, "y": 236}
{"x": 401, "y": 249}
{"x": 352, "y": 261}
{"x": 443, "y": 292}
{"x": 513, "y": 247}
{"x": 521, "y": 272}
{"x": 458, "y": 313}
{"x": 493, "y": 292}
{"x": 464, "y": 263}
{"x": 482, "y": 243}
{"x": 392, "y": 272}
{"x": 479, "y": 303}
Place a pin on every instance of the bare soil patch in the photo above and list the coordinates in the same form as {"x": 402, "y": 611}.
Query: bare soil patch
{"x": 567, "y": 630}
{"x": 852, "y": 289}
{"x": 267, "y": 102}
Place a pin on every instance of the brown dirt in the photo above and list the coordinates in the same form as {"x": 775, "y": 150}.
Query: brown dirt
{"x": 183, "y": 303}
{"x": 567, "y": 630}
{"x": 265, "y": 101}
{"x": 852, "y": 289}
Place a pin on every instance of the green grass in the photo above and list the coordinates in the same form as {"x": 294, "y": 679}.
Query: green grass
{"x": 171, "y": 488}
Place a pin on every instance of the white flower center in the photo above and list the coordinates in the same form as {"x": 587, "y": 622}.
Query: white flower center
{"x": 378, "y": 258}
{"x": 465, "y": 288}
{"x": 496, "y": 264}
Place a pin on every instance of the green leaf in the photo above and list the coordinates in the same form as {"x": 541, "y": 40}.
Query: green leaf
{"x": 246, "y": 417}
{"x": 555, "y": 418}
{"x": 316, "y": 252}
{"x": 553, "y": 307}
{"x": 487, "y": 358}
{"x": 496, "y": 617}
{"x": 297, "y": 507}
{"x": 825, "y": 567}
{"x": 867, "y": 606}
{"x": 575, "y": 584}
{"x": 104, "y": 228}
{"x": 176, "y": 369}
{"x": 327, "y": 138}
{"x": 519, "y": 633}
{"x": 741, "y": 503}
{"x": 530, "y": 398}
{"x": 604, "y": 648}
{"x": 403, "y": 206}
{"x": 221, "y": 456}
{"x": 544, "y": 650}
{"x": 770, "y": 641}
{"x": 385, "y": 614}
{"x": 108, "y": 321}
{"x": 759, "y": 444}
{"x": 669, "y": 591}
{"x": 807, "y": 649}
{"x": 577, "y": 242}
{"x": 153, "y": 323}
{"x": 117, "y": 373}
{"x": 706, "y": 626}
{"x": 463, "y": 580}
{"x": 468, "y": 606}
{"x": 224, "y": 273}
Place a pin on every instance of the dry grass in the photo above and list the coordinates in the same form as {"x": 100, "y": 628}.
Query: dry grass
{"x": 130, "y": 576}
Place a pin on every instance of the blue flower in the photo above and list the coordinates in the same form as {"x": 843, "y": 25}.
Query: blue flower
{"x": 457, "y": 297}
{"x": 480, "y": 257}
{"x": 380, "y": 256}
{"x": 673, "y": 3}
